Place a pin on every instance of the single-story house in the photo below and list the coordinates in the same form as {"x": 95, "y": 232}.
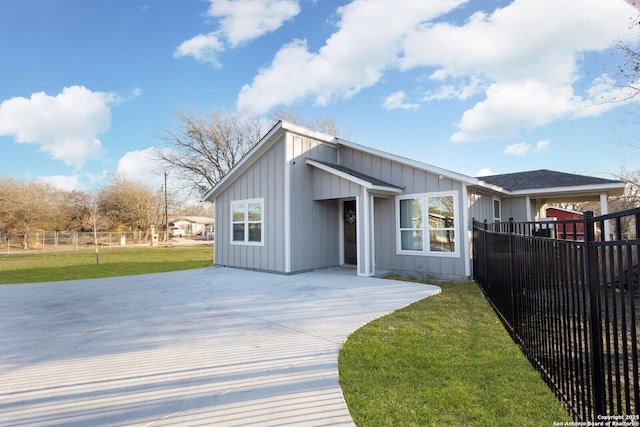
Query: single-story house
{"x": 193, "y": 225}
{"x": 303, "y": 200}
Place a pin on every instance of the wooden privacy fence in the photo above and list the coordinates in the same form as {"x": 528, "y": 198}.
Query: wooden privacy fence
{"x": 571, "y": 301}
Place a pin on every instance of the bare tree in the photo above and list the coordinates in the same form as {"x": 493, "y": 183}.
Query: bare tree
{"x": 631, "y": 196}
{"x": 629, "y": 68}
{"x": 27, "y": 205}
{"x": 79, "y": 207}
{"x": 204, "y": 148}
{"x": 319, "y": 124}
{"x": 128, "y": 205}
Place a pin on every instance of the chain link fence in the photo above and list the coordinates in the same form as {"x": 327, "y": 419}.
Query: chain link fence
{"x": 50, "y": 241}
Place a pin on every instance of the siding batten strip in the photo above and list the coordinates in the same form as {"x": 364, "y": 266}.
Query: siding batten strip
{"x": 287, "y": 203}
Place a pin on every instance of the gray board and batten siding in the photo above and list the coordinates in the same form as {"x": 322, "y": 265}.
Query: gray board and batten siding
{"x": 413, "y": 180}
{"x": 264, "y": 179}
{"x": 304, "y": 180}
{"x": 314, "y": 225}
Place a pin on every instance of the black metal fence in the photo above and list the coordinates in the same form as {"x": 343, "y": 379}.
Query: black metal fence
{"x": 570, "y": 299}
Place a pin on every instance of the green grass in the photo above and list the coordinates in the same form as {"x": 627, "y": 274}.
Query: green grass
{"x": 443, "y": 361}
{"x": 57, "y": 266}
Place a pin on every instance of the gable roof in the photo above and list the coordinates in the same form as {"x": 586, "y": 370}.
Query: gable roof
{"x": 543, "y": 180}
{"x": 258, "y": 150}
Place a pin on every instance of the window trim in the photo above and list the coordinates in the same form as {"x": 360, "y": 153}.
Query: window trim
{"x": 493, "y": 208}
{"x": 426, "y": 236}
{"x": 245, "y": 204}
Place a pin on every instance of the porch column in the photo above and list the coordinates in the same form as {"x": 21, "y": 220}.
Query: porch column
{"x": 604, "y": 209}
{"x": 365, "y": 240}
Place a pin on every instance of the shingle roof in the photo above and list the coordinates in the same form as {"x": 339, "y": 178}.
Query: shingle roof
{"x": 354, "y": 173}
{"x": 543, "y": 178}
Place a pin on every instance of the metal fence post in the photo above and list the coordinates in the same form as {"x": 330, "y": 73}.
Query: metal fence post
{"x": 484, "y": 254}
{"x": 512, "y": 298}
{"x": 590, "y": 257}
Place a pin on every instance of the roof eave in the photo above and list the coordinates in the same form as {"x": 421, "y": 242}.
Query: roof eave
{"x": 368, "y": 185}
{"x": 612, "y": 189}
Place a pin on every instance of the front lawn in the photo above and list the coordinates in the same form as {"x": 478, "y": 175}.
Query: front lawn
{"x": 444, "y": 361}
{"x": 71, "y": 265}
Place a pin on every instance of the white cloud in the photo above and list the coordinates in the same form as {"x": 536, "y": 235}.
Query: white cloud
{"x": 521, "y": 148}
{"x": 62, "y": 182}
{"x": 460, "y": 91}
{"x": 605, "y": 94}
{"x": 518, "y": 149}
{"x": 397, "y": 101}
{"x": 65, "y": 126}
{"x": 485, "y": 172}
{"x": 510, "y": 106}
{"x": 203, "y": 48}
{"x": 541, "y": 146}
{"x": 507, "y": 54}
{"x": 240, "y": 22}
{"x": 141, "y": 166}
{"x": 355, "y": 57}
{"x": 527, "y": 44}
{"x": 245, "y": 20}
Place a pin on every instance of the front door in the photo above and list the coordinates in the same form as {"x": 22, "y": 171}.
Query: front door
{"x": 350, "y": 230}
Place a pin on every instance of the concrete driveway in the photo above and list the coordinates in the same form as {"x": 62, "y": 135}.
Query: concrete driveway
{"x": 214, "y": 346}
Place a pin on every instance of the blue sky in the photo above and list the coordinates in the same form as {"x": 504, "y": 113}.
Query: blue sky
{"x": 477, "y": 87}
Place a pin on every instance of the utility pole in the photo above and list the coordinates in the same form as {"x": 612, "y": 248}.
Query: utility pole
{"x": 166, "y": 210}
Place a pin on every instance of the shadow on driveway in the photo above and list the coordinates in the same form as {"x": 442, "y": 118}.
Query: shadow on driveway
{"x": 213, "y": 346}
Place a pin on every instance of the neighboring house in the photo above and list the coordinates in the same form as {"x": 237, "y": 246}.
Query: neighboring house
{"x": 193, "y": 225}
{"x": 302, "y": 200}
{"x": 566, "y": 231}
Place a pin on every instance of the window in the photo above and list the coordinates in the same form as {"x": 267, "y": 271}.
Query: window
{"x": 246, "y": 222}
{"x": 411, "y": 224}
{"x": 496, "y": 210}
{"x": 426, "y": 224}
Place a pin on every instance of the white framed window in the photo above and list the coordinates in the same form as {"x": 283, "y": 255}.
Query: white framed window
{"x": 247, "y": 220}
{"x": 426, "y": 224}
{"x": 497, "y": 210}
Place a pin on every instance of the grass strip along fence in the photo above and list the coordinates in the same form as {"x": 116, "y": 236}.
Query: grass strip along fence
{"x": 58, "y": 266}
{"x": 572, "y": 303}
{"x": 445, "y": 360}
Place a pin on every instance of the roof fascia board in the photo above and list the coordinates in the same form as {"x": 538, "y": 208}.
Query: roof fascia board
{"x": 409, "y": 162}
{"x": 302, "y": 131}
{"x": 351, "y": 178}
{"x": 617, "y": 187}
{"x": 490, "y": 187}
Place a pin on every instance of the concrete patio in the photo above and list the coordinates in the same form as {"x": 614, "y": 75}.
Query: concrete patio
{"x": 214, "y": 346}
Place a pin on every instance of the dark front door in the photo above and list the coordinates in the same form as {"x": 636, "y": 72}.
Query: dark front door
{"x": 350, "y": 248}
